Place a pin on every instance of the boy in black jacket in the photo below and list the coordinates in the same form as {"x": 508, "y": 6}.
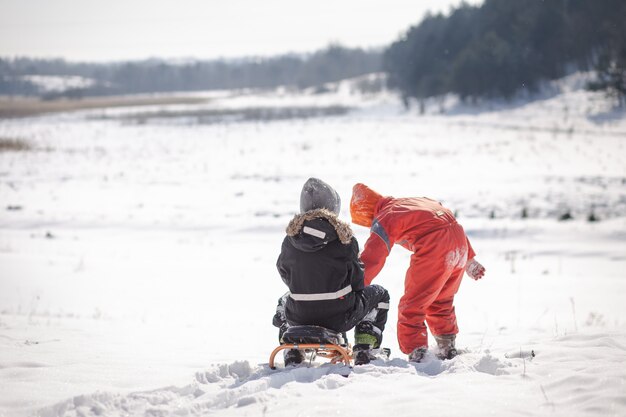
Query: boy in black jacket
{"x": 319, "y": 262}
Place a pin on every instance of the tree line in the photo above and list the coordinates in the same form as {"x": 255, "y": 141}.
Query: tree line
{"x": 331, "y": 64}
{"x": 502, "y": 46}
{"x": 492, "y": 50}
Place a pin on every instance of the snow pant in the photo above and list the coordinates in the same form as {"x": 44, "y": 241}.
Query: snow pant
{"x": 432, "y": 280}
{"x": 367, "y": 316}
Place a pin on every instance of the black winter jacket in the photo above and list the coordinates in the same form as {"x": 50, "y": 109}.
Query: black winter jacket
{"x": 319, "y": 262}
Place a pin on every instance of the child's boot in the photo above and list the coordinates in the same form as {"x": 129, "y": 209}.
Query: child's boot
{"x": 293, "y": 357}
{"x": 418, "y": 354}
{"x": 362, "y": 354}
{"x": 364, "y": 341}
{"x": 445, "y": 342}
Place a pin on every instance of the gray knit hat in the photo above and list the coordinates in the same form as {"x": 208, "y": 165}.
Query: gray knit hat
{"x": 316, "y": 194}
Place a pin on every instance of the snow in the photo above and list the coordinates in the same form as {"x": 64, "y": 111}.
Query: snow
{"x": 55, "y": 83}
{"x": 137, "y": 261}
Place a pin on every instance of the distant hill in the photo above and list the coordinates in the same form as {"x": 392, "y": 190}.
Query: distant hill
{"x": 51, "y": 79}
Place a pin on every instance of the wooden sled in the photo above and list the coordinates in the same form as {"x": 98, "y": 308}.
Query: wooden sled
{"x": 321, "y": 341}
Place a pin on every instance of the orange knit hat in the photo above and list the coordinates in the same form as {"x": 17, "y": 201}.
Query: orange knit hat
{"x": 363, "y": 204}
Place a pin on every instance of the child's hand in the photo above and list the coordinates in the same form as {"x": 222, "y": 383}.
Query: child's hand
{"x": 475, "y": 270}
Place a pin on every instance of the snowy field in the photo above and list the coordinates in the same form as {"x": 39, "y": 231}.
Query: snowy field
{"x": 138, "y": 250}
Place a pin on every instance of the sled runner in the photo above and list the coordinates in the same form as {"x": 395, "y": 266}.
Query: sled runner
{"x": 318, "y": 340}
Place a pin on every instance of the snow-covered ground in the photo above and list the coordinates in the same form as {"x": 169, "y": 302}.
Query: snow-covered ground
{"x": 137, "y": 259}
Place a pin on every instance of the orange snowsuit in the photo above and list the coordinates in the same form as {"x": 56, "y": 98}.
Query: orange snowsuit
{"x": 440, "y": 252}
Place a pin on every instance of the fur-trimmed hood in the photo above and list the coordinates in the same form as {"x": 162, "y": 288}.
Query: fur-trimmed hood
{"x": 344, "y": 232}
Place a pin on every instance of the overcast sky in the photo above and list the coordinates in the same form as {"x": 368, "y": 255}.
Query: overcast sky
{"x": 102, "y": 30}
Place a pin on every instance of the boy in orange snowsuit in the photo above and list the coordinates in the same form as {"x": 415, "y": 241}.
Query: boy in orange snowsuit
{"x": 441, "y": 254}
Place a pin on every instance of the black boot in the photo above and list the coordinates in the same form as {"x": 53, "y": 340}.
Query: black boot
{"x": 418, "y": 354}
{"x": 362, "y": 354}
{"x": 293, "y": 357}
